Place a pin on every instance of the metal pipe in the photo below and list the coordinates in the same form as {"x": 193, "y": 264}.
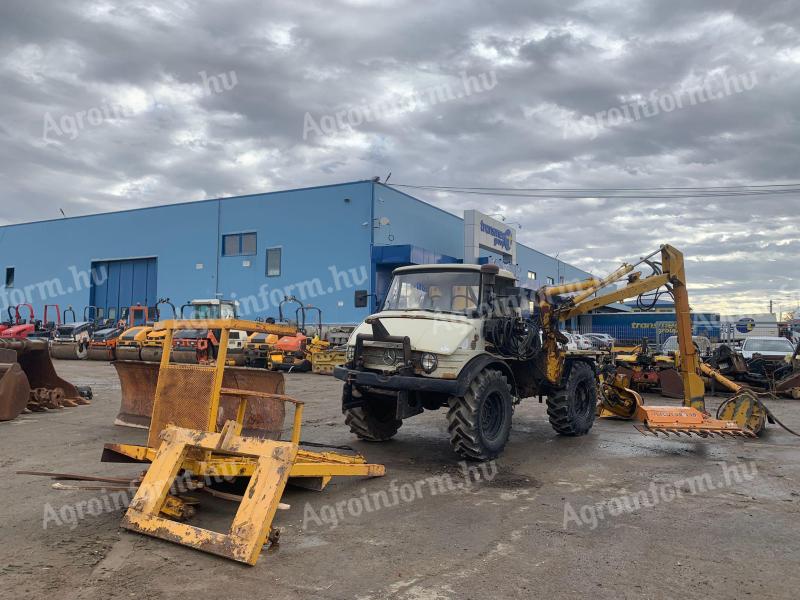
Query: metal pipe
{"x": 615, "y": 276}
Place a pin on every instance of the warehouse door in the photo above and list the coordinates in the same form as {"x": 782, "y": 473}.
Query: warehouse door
{"x": 119, "y": 284}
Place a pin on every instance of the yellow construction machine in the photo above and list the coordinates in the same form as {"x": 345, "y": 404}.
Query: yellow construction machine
{"x": 141, "y": 341}
{"x": 153, "y": 343}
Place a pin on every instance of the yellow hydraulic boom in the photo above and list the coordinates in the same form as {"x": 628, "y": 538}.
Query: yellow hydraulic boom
{"x": 618, "y": 399}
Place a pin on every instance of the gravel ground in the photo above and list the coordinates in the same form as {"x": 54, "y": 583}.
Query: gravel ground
{"x": 553, "y": 517}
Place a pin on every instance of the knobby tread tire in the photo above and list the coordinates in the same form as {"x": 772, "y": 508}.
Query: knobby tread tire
{"x": 565, "y": 417}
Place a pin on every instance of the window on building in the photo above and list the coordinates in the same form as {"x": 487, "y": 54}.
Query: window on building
{"x": 273, "y": 262}
{"x": 239, "y": 244}
{"x": 532, "y": 275}
{"x": 9, "y": 277}
{"x": 249, "y": 243}
{"x": 550, "y": 281}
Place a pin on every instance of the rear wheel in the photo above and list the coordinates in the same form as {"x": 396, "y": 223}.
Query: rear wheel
{"x": 376, "y": 421}
{"x": 479, "y": 423}
{"x": 571, "y": 410}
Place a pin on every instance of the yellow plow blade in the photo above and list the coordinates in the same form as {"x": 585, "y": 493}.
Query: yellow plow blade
{"x": 138, "y": 382}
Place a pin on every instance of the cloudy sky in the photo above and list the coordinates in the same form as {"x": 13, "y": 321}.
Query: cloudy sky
{"x": 111, "y": 105}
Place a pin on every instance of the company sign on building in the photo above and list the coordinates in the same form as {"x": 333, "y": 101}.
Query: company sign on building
{"x": 484, "y": 232}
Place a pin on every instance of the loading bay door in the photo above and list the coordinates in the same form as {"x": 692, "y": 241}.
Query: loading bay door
{"x": 119, "y": 284}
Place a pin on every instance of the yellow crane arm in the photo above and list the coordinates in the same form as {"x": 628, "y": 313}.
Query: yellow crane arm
{"x": 673, "y": 275}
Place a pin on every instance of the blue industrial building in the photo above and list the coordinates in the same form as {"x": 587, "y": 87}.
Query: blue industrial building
{"x": 317, "y": 243}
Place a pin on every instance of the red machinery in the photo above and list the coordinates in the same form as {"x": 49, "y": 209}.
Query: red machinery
{"x": 47, "y": 328}
{"x": 20, "y": 328}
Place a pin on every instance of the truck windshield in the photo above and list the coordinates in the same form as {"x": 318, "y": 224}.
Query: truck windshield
{"x": 441, "y": 291}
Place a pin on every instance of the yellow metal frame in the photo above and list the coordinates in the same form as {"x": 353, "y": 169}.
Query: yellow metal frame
{"x": 253, "y": 520}
{"x": 317, "y": 465}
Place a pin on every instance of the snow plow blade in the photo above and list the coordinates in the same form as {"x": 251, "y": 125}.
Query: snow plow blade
{"x": 138, "y": 381}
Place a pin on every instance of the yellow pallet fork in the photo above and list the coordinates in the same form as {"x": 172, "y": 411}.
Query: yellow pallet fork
{"x": 184, "y": 437}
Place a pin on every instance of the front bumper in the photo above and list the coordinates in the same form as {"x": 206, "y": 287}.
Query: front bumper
{"x": 396, "y": 382}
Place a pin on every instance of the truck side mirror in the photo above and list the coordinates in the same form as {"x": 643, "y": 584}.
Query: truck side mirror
{"x": 361, "y": 298}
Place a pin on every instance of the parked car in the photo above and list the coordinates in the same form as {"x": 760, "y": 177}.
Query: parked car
{"x": 601, "y": 341}
{"x": 767, "y": 346}
{"x": 571, "y": 344}
{"x": 584, "y": 343}
{"x": 577, "y": 342}
{"x": 702, "y": 343}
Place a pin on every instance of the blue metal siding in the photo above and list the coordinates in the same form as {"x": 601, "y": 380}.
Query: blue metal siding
{"x": 326, "y": 235}
{"x": 129, "y": 282}
{"x": 414, "y": 222}
{"x": 324, "y": 246}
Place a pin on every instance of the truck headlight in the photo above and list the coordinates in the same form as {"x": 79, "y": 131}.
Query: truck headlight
{"x": 429, "y": 362}
{"x": 351, "y": 353}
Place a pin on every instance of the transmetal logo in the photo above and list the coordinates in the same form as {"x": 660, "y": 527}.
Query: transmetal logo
{"x": 502, "y": 239}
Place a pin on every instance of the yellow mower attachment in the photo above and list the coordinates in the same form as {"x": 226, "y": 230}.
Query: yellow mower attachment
{"x": 620, "y": 401}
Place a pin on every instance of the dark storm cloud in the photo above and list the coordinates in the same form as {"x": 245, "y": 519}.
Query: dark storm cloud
{"x": 555, "y": 63}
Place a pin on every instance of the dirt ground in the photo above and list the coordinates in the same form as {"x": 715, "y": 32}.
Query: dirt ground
{"x": 553, "y": 517}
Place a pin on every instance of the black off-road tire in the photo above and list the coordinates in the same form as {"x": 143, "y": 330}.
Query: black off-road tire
{"x": 376, "y": 421}
{"x": 479, "y": 423}
{"x": 571, "y": 410}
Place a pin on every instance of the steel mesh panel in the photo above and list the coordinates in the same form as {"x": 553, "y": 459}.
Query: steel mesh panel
{"x": 183, "y": 398}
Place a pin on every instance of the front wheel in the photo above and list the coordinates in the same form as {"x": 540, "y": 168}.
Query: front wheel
{"x": 376, "y": 421}
{"x": 571, "y": 410}
{"x": 479, "y": 423}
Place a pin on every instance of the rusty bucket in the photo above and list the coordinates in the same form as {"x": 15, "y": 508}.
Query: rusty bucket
{"x": 138, "y": 382}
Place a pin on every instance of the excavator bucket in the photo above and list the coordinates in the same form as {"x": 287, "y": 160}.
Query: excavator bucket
{"x": 138, "y": 381}
{"x": 671, "y": 383}
{"x": 14, "y": 387}
{"x": 27, "y": 377}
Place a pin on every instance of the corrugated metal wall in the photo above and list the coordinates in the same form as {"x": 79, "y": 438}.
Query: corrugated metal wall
{"x": 118, "y": 284}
